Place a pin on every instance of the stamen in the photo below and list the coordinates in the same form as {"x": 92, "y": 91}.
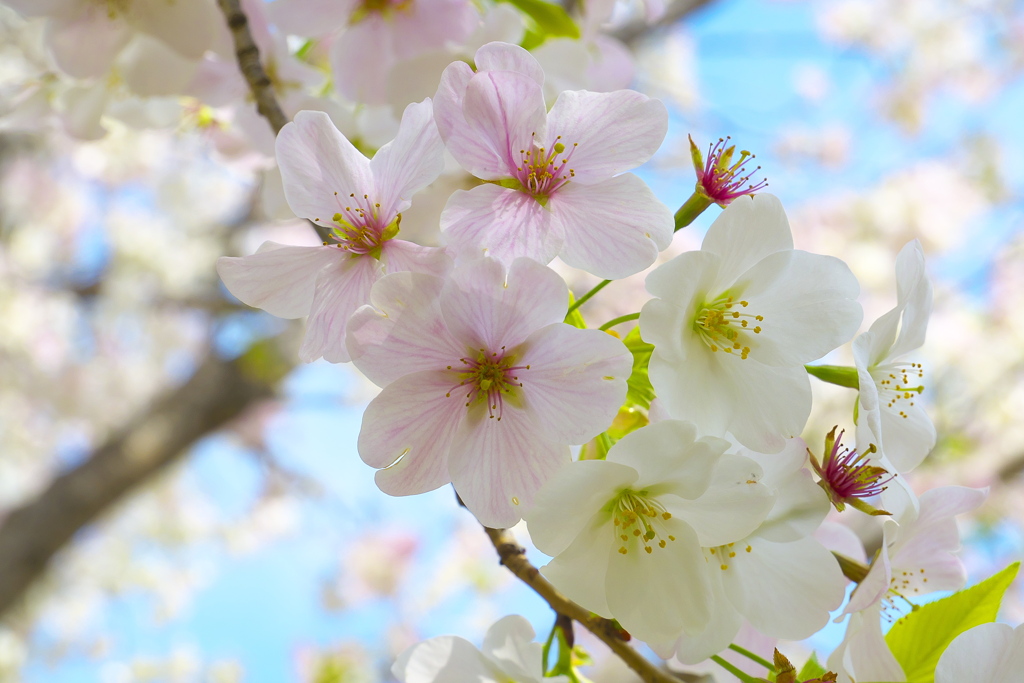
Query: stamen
{"x": 724, "y": 329}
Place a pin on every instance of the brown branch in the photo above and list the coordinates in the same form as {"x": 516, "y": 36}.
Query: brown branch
{"x": 675, "y": 12}
{"x": 513, "y": 556}
{"x": 218, "y": 392}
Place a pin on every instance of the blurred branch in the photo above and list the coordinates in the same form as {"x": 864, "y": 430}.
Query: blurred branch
{"x": 513, "y": 556}
{"x": 675, "y": 12}
{"x": 248, "y": 55}
{"x": 218, "y": 392}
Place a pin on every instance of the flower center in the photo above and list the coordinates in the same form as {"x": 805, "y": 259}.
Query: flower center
{"x": 541, "y": 171}
{"x": 639, "y": 521}
{"x": 849, "y": 474}
{"x": 722, "y": 325}
{"x": 723, "y": 180}
{"x": 490, "y": 377}
{"x": 383, "y": 8}
{"x": 894, "y": 382}
{"x": 724, "y": 554}
{"x": 360, "y": 227}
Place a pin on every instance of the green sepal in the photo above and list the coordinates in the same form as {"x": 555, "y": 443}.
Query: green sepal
{"x": 919, "y": 639}
{"x": 546, "y": 20}
{"x": 840, "y": 375}
{"x": 639, "y": 391}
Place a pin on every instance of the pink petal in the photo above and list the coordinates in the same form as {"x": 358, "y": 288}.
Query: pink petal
{"x": 499, "y": 56}
{"x": 277, "y": 278}
{"x": 612, "y": 132}
{"x": 399, "y": 255}
{"x": 320, "y": 167}
{"x": 504, "y": 113}
{"x": 411, "y": 161}
{"x": 497, "y": 465}
{"x": 357, "y": 76}
{"x": 412, "y": 450}
{"x": 310, "y": 18}
{"x": 403, "y": 332}
{"x": 431, "y": 24}
{"x": 497, "y": 221}
{"x": 85, "y": 46}
{"x": 576, "y": 381}
{"x": 341, "y": 288}
{"x": 485, "y": 308}
{"x": 613, "y": 229}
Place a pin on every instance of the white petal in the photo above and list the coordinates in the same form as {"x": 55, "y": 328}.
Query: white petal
{"x": 507, "y": 224}
{"x": 863, "y": 654}
{"x": 786, "y": 590}
{"x": 718, "y": 634}
{"x": 356, "y": 77}
{"x": 915, "y": 291}
{"x": 151, "y": 69}
{"x": 445, "y": 659}
{"x": 414, "y": 450}
{"x": 509, "y": 642}
{"x": 319, "y": 167}
{"x": 669, "y": 457}
{"x": 85, "y": 46}
{"x": 614, "y": 228}
{"x": 977, "y": 653}
{"x": 579, "y": 572}
{"x": 606, "y": 134}
{"x": 277, "y": 278}
{"x": 569, "y": 500}
{"x": 186, "y": 26}
{"x": 749, "y": 229}
{"x": 504, "y": 57}
{"x": 908, "y": 434}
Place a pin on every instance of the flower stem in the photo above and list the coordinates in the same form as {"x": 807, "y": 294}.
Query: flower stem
{"x": 746, "y": 678}
{"x": 546, "y": 650}
{"x": 586, "y": 297}
{"x": 693, "y": 207}
{"x": 751, "y": 656}
{"x": 615, "y": 321}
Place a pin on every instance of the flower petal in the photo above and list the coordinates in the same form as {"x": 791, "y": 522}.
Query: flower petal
{"x": 498, "y": 465}
{"x": 413, "y": 450}
{"x": 487, "y": 309}
{"x": 863, "y": 655}
{"x": 614, "y": 228}
{"x": 277, "y": 278}
{"x": 668, "y": 456}
{"x": 915, "y": 291}
{"x": 509, "y": 642}
{"x": 84, "y": 46}
{"x": 725, "y": 623}
{"x": 659, "y": 595}
{"x": 977, "y": 653}
{"x": 403, "y": 332}
{"x": 579, "y": 572}
{"x": 476, "y": 157}
{"x": 410, "y": 162}
{"x": 185, "y": 25}
{"x": 569, "y": 500}
{"x": 576, "y": 381}
{"x": 607, "y": 133}
{"x": 786, "y": 590}
{"x": 749, "y": 229}
{"x": 507, "y": 224}
{"x": 444, "y": 659}
{"x": 356, "y": 77}
{"x": 399, "y": 255}
{"x": 499, "y": 56}
{"x": 341, "y": 288}
{"x": 320, "y": 167}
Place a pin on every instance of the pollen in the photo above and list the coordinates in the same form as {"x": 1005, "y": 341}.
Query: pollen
{"x": 899, "y": 384}
{"x": 723, "y": 326}
{"x": 490, "y": 377}
{"x": 639, "y": 522}
{"x": 541, "y": 170}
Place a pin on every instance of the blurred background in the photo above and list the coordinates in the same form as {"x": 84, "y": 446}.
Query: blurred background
{"x": 198, "y": 489}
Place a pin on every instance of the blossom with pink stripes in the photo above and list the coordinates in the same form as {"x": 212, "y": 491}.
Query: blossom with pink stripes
{"x": 556, "y": 181}
{"x": 359, "y": 201}
{"x": 483, "y": 384}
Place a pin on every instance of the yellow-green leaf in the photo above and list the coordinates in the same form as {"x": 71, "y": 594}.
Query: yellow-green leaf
{"x": 812, "y": 669}
{"x": 918, "y": 639}
{"x": 639, "y": 391}
{"x": 547, "y": 20}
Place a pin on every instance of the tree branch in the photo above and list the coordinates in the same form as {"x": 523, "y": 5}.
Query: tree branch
{"x": 218, "y": 392}
{"x": 632, "y": 33}
{"x": 513, "y": 556}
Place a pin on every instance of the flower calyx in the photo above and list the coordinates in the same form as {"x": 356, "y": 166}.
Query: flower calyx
{"x": 848, "y": 477}
{"x": 721, "y": 179}
{"x": 785, "y": 672}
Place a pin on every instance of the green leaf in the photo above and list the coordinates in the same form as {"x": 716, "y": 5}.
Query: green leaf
{"x": 840, "y": 375}
{"x": 918, "y": 639}
{"x": 547, "y": 20}
{"x": 639, "y": 391}
{"x": 812, "y": 669}
{"x": 575, "y": 318}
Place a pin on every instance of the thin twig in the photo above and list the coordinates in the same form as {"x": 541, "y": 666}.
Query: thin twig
{"x": 513, "y": 556}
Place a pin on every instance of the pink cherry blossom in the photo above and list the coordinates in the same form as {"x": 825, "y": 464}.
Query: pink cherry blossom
{"x": 558, "y": 183}
{"x": 370, "y": 37}
{"x": 360, "y": 200}
{"x": 483, "y": 384}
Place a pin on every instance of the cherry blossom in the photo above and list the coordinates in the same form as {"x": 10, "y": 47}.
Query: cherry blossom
{"x": 508, "y": 654}
{"x": 993, "y": 653}
{"x": 360, "y": 201}
{"x": 556, "y": 180}
{"x": 719, "y": 178}
{"x": 491, "y": 385}
{"x": 735, "y": 322}
{"x": 626, "y": 532}
{"x": 917, "y": 557}
{"x": 779, "y": 578}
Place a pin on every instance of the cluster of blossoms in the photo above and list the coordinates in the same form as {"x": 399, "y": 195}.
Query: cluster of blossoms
{"x": 706, "y": 519}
